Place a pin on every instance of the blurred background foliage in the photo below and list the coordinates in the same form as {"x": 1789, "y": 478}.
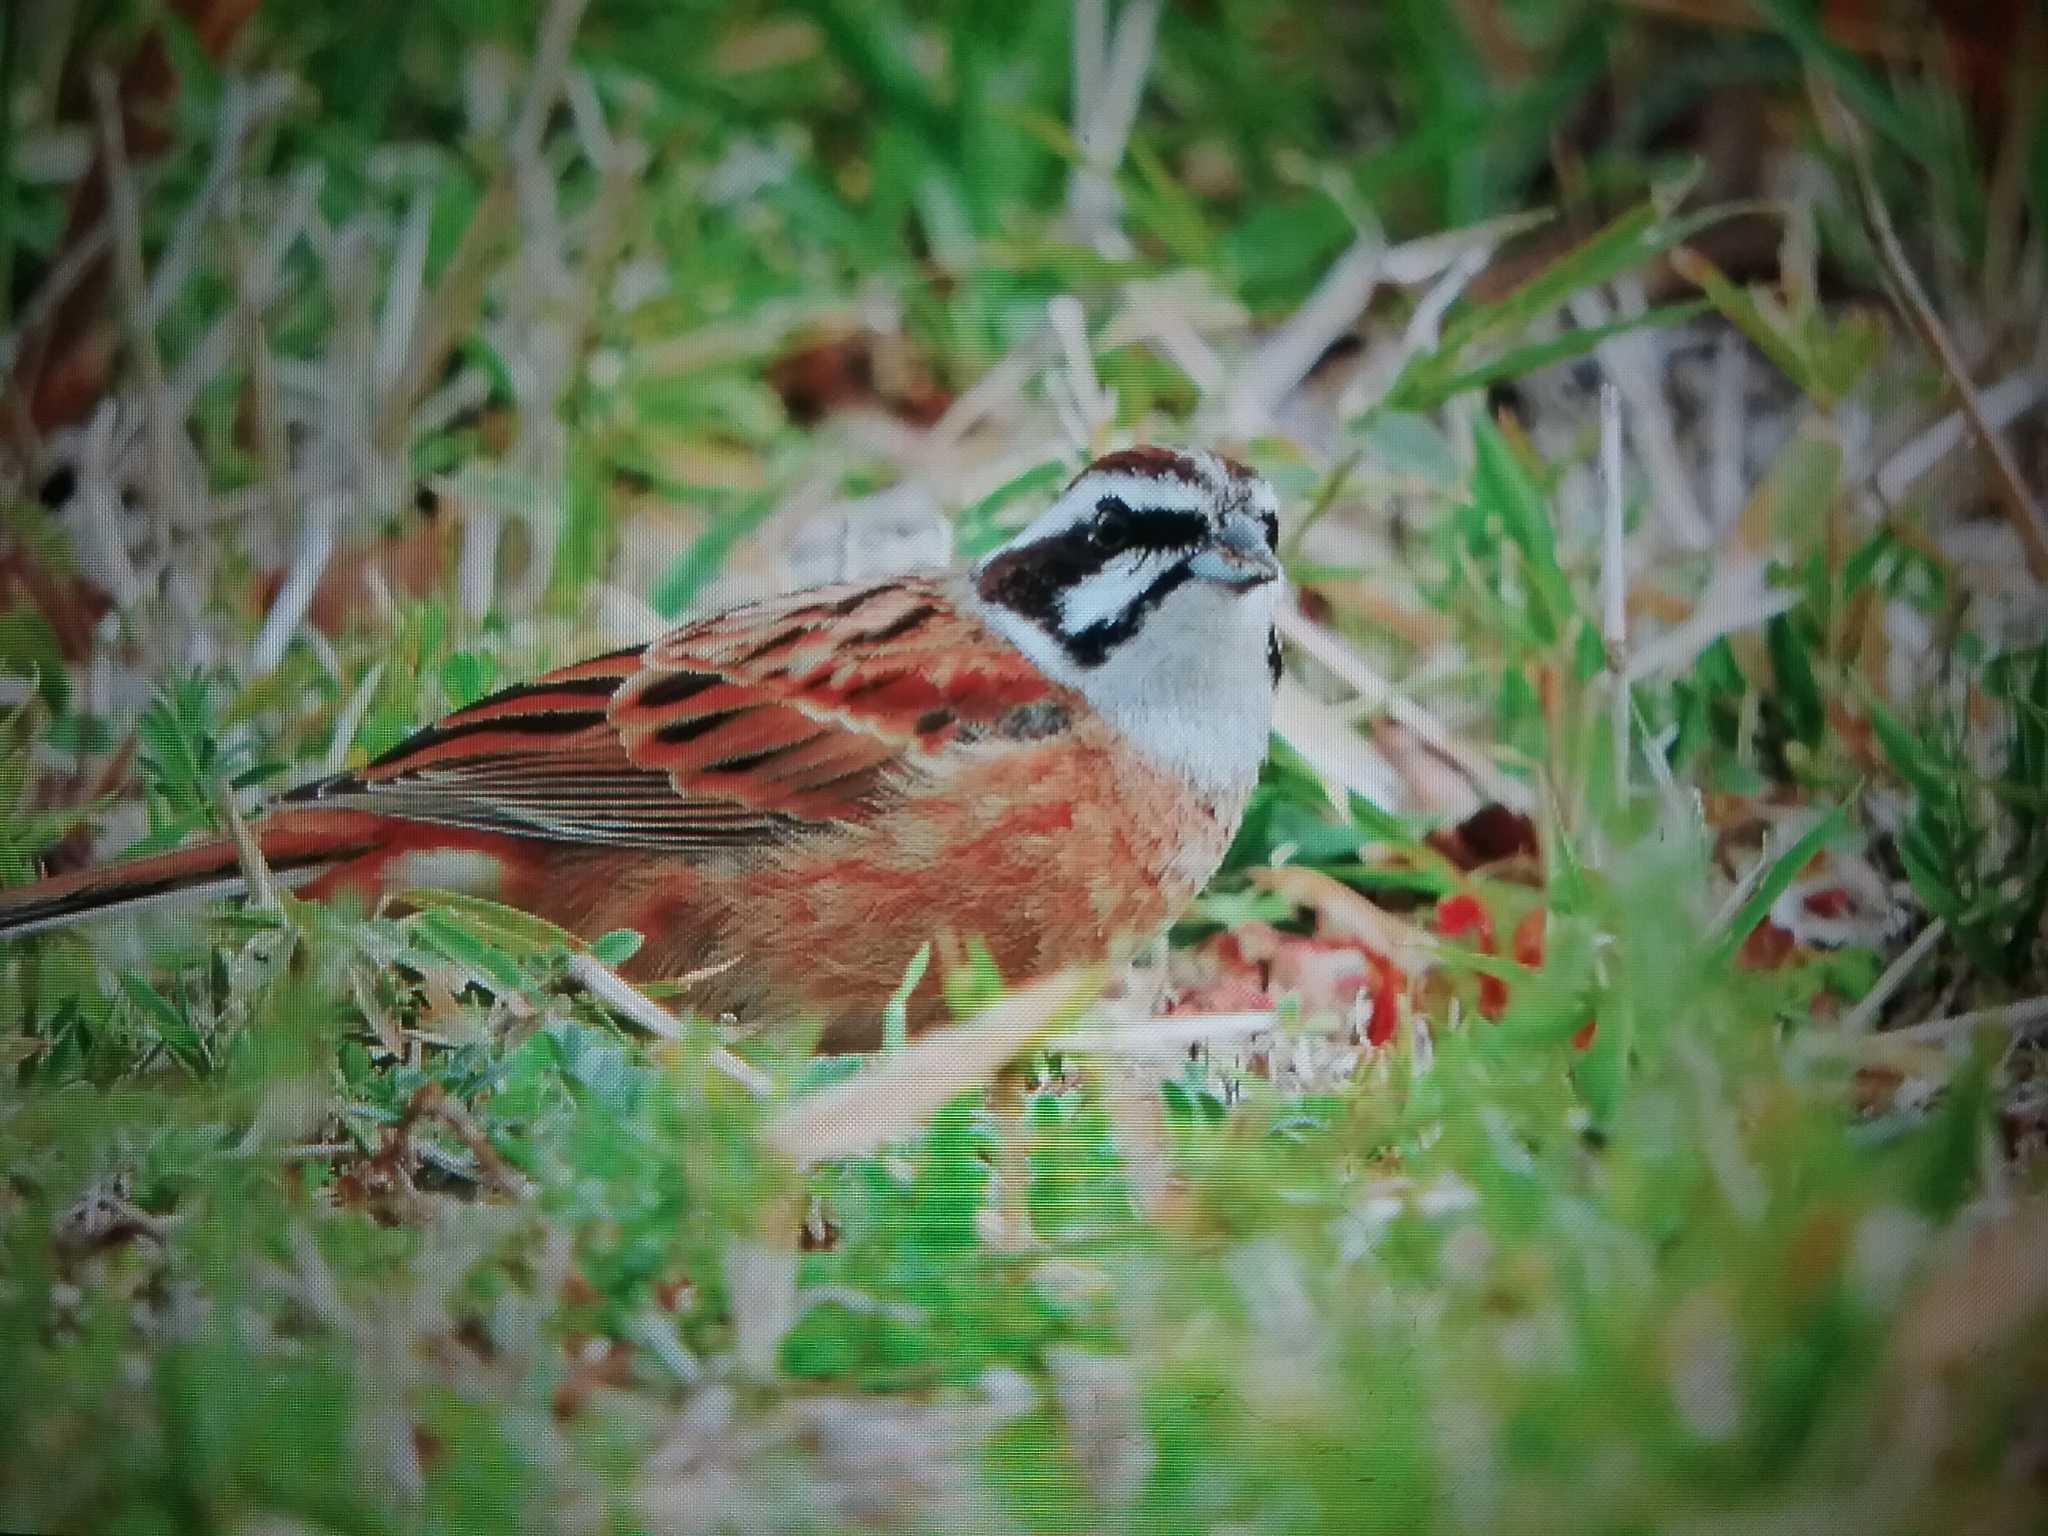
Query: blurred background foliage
{"x": 1607, "y": 1088}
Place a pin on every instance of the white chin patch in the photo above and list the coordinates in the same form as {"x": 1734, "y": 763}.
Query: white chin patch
{"x": 1192, "y": 689}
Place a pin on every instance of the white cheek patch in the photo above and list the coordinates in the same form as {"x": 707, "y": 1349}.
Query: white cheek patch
{"x": 1110, "y": 591}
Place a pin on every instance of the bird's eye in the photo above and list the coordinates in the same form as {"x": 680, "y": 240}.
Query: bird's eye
{"x": 1271, "y": 523}
{"x": 1111, "y": 530}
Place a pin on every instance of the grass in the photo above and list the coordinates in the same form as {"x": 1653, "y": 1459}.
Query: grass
{"x": 1610, "y": 1147}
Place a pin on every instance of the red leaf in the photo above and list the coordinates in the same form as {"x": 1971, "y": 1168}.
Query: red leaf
{"x": 1493, "y": 996}
{"x": 1463, "y": 914}
{"x": 1387, "y": 985}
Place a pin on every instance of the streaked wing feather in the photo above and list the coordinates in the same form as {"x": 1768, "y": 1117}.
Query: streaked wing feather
{"x": 747, "y": 726}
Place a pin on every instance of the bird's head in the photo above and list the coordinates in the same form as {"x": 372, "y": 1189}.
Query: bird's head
{"x": 1151, "y": 585}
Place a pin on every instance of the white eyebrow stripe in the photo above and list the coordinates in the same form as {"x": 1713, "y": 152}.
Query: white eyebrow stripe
{"x": 1136, "y": 491}
{"x": 1105, "y": 595}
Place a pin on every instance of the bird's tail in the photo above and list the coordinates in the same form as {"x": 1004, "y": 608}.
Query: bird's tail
{"x": 298, "y": 847}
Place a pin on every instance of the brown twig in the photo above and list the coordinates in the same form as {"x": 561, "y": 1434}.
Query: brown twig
{"x": 160, "y": 451}
{"x": 273, "y": 450}
{"x": 60, "y": 367}
{"x": 2022, "y": 509}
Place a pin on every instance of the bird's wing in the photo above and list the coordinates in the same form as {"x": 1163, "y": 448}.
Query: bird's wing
{"x": 752, "y": 725}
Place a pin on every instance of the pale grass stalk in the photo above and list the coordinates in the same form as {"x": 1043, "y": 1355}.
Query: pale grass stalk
{"x": 1187, "y": 349}
{"x": 1614, "y": 581}
{"x": 2021, "y": 1018}
{"x": 625, "y": 616}
{"x": 1171, "y": 1032}
{"x": 586, "y": 116}
{"x": 456, "y": 301}
{"x": 1090, "y": 54}
{"x": 1113, "y": 110}
{"x": 726, "y": 341}
{"x": 244, "y": 106}
{"x": 1341, "y": 658}
{"x": 1073, "y": 425}
{"x": 1715, "y": 615}
{"x": 1177, "y": 313}
{"x": 636, "y": 1007}
{"x": 1424, "y": 332}
{"x": 468, "y": 390}
{"x": 1283, "y": 359}
{"x": 1419, "y": 260}
{"x": 1002, "y": 386}
{"x": 311, "y": 552}
{"x": 323, "y": 652}
{"x": 202, "y": 364}
{"x": 1857, "y": 1020}
{"x": 1110, "y": 67}
{"x": 273, "y": 448}
{"x": 1725, "y": 489}
{"x": 893, "y": 1095}
{"x": 64, "y": 276}
{"x": 1337, "y": 906}
{"x": 404, "y": 288}
{"x": 2003, "y": 403}
{"x": 1095, "y": 405}
{"x": 350, "y": 718}
{"x": 125, "y": 208}
{"x": 1745, "y": 883}
{"x": 476, "y": 560}
{"x": 1436, "y": 785}
{"x": 1634, "y": 362}
{"x": 1343, "y": 759}
{"x": 262, "y": 891}
{"x": 760, "y": 1276}
{"x": 98, "y": 528}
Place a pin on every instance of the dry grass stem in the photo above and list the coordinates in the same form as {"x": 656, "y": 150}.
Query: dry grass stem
{"x": 2001, "y": 404}
{"x": 1614, "y": 580}
{"x": 636, "y": 1007}
{"x": 2024, "y": 510}
{"x": 1169, "y": 1033}
{"x": 1341, "y": 908}
{"x": 125, "y": 208}
{"x": 1859, "y": 1019}
{"x": 1343, "y": 759}
{"x": 898, "y": 1092}
{"x": 262, "y": 890}
{"x": 1377, "y": 692}
{"x": 2021, "y": 1018}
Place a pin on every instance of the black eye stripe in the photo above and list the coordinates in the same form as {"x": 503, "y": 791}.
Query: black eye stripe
{"x": 1124, "y": 526}
{"x": 1035, "y": 579}
{"x": 1270, "y": 521}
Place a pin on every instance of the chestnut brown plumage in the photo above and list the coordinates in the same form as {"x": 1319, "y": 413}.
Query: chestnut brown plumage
{"x": 1048, "y": 753}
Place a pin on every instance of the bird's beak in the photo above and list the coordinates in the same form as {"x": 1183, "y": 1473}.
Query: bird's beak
{"x": 1239, "y": 558}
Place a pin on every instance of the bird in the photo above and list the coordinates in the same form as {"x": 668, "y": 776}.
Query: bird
{"x": 1047, "y": 752}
